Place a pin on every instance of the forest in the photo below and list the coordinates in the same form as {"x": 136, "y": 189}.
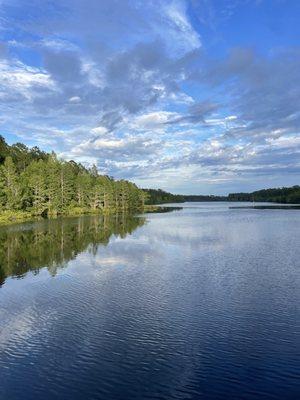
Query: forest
{"x": 205, "y": 198}
{"x": 36, "y": 183}
{"x": 288, "y": 195}
{"x": 159, "y": 196}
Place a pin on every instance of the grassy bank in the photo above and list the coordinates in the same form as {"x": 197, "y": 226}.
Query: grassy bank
{"x": 13, "y": 217}
{"x": 159, "y": 209}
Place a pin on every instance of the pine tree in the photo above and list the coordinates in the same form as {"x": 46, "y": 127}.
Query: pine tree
{"x": 32, "y": 180}
{"x": 36, "y": 183}
{"x": 67, "y": 189}
{"x": 83, "y": 186}
{"x": 11, "y": 185}
{"x": 53, "y": 184}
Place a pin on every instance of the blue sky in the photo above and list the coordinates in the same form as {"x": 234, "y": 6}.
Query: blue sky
{"x": 192, "y": 96}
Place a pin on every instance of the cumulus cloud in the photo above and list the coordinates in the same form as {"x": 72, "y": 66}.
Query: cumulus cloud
{"x": 118, "y": 149}
{"x": 140, "y": 95}
{"x": 154, "y": 120}
{"x": 197, "y": 113}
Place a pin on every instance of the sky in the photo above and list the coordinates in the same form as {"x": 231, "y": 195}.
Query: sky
{"x": 191, "y": 96}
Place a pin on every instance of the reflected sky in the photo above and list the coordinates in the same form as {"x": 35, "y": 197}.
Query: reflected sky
{"x": 187, "y": 304}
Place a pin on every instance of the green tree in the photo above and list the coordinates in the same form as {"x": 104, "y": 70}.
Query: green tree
{"x": 36, "y": 179}
{"x": 11, "y": 187}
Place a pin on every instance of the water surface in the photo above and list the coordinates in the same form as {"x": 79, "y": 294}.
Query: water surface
{"x": 197, "y": 303}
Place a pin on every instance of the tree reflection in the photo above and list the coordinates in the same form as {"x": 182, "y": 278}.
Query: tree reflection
{"x": 52, "y": 244}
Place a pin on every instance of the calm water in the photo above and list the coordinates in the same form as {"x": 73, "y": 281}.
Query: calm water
{"x": 201, "y": 303}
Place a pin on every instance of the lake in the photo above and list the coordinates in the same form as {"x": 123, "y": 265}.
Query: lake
{"x": 200, "y": 303}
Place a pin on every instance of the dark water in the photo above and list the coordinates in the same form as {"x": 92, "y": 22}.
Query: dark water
{"x": 201, "y": 303}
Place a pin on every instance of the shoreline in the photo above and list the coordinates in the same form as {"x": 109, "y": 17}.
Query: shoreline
{"x": 268, "y": 207}
{"x": 19, "y": 217}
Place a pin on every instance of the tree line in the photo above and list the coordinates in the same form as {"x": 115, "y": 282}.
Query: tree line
{"x": 200, "y": 197}
{"x": 39, "y": 183}
{"x": 159, "y": 196}
{"x": 287, "y": 195}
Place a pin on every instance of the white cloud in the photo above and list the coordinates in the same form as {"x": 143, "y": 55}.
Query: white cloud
{"x": 74, "y": 99}
{"x": 285, "y": 141}
{"x": 106, "y": 87}
{"x": 59, "y": 44}
{"x": 180, "y": 29}
{"x": 20, "y": 78}
{"x": 99, "y": 131}
{"x": 153, "y": 120}
{"x": 117, "y": 149}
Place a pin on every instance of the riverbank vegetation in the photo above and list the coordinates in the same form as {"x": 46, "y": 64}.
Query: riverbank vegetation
{"x": 34, "y": 183}
{"x": 286, "y": 195}
{"x": 158, "y": 196}
{"x": 205, "y": 198}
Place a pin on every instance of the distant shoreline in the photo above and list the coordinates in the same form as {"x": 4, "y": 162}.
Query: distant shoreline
{"x": 283, "y": 195}
{"x": 268, "y": 207}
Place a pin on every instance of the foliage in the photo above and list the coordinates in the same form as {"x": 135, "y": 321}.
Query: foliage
{"x": 204, "y": 198}
{"x": 289, "y": 195}
{"x": 41, "y": 184}
{"x": 158, "y": 196}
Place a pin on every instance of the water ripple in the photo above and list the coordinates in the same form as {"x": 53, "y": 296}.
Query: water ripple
{"x": 193, "y": 305}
